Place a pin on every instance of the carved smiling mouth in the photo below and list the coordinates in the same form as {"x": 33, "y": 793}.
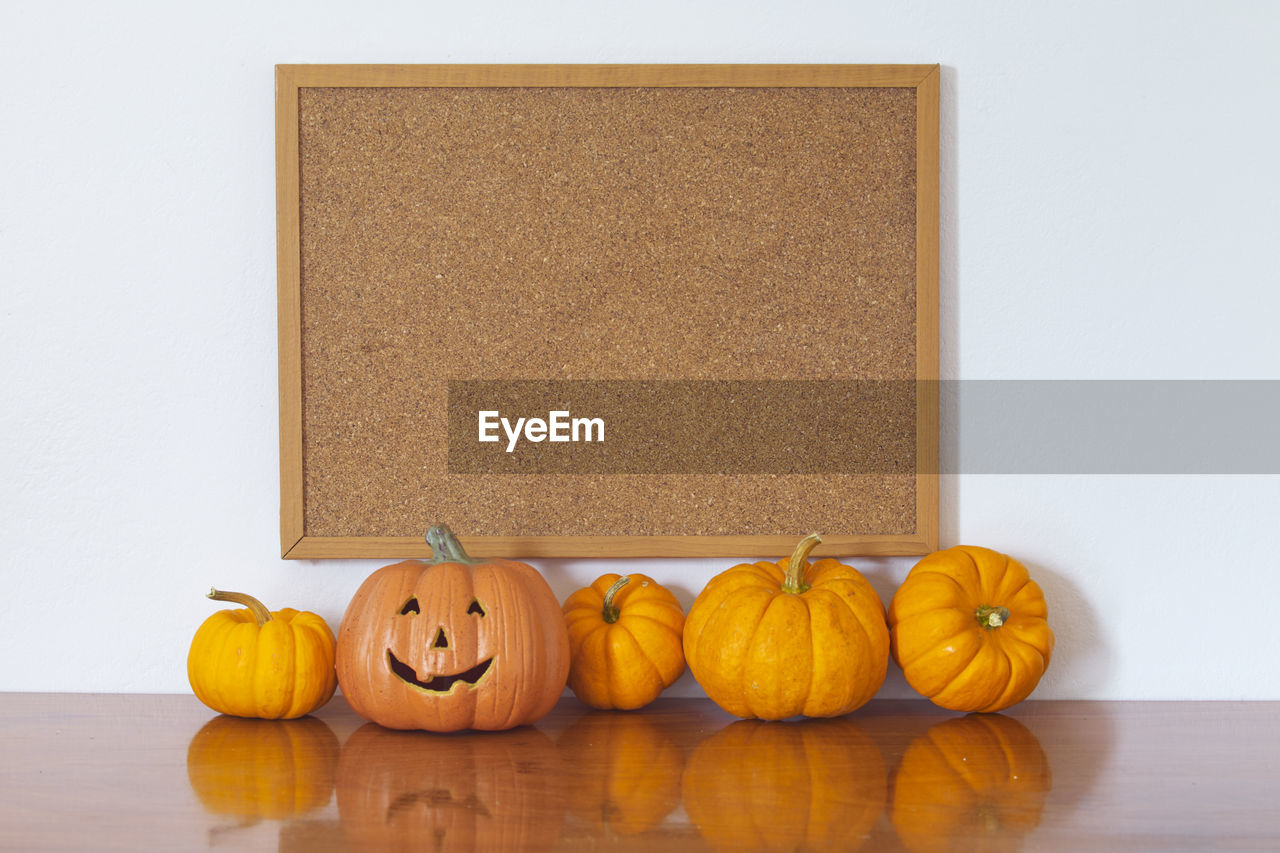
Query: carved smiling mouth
{"x": 437, "y": 683}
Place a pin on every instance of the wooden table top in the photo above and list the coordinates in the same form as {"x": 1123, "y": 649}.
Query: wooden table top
{"x": 102, "y": 772}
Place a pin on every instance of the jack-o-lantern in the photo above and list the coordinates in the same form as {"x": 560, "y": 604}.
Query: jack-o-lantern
{"x": 808, "y": 785}
{"x": 495, "y": 791}
{"x": 453, "y": 643}
{"x": 974, "y": 783}
{"x": 262, "y": 769}
{"x": 627, "y": 772}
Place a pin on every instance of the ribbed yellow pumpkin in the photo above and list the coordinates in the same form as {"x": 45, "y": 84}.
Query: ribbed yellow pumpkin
{"x": 777, "y": 640}
{"x": 970, "y": 629}
{"x": 255, "y": 663}
{"x": 624, "y": 641}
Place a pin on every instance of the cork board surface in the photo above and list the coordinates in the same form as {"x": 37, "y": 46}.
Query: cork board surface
{"x": 702, "y": 234}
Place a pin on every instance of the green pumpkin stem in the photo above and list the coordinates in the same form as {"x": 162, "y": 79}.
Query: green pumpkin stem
{"x": 259, "y": 610}
{"x": 445, "y": 547}
{"x": 794, "y": 581}
{"x": 991, "y": 617}
{"x": 611, "y": 613}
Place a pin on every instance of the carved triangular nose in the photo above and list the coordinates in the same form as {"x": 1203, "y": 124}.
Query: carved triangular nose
{"x": 440, "y": 642}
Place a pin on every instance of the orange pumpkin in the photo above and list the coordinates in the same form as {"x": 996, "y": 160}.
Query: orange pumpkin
{"x": 808, "y": 785}
{"x": 453, "y": 643}
{"x": 470, "y": 791}
{"x": 627, "y": 772}
{"x": 776, "y": 640}
{"x": 970, "y": 783}
{"x": 970, "y": 629}
{"x": 255, "y": 769}
{"x": 255, "y": 663}
{"x": 624, "y": 641}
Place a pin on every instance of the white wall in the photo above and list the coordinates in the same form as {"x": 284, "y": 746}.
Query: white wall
{"x": 1110, "y": 210}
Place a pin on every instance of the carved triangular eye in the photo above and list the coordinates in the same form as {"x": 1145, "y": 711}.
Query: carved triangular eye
{"x": 475, "y": 608}
{"x": 410, "y": 606}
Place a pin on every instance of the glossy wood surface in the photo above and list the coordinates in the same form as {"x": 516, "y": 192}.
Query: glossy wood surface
{"x": 91, "y": 772}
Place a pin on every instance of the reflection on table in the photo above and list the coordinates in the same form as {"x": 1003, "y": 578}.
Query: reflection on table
{"x": 978, "y": 782}
{"x": 626, "y": 780}
{"x": 163, "y": 773}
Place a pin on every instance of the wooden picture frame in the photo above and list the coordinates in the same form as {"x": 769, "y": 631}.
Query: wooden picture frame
{"x": 300, "y": 539}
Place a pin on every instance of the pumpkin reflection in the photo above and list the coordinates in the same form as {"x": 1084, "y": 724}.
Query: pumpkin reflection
{"x": 311, "y": 835}
{"x": 628, "y": 769}
{"x": 468, "y": 791}
{"x": 976, "y": 782}
{"x": 809, "y": 784}
{"x": 255, "y": 769}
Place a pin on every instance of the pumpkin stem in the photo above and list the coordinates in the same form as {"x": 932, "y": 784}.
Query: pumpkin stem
{"x": 991, "y": 617}
{"x": 794, "y": 581}
{"x": 445, "y": 547}
{"x": 259, "y": 610}
{"x": 611, "y": 613}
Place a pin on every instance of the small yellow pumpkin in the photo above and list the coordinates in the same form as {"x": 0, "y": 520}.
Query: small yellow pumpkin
{"x": 255, "y": 663}
{"x": 624, "y": 641}
{"x": 777, "y": 640}
{"x": 969, "y": 629}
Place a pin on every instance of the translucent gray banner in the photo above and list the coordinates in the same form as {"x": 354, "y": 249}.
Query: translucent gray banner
{"x": 1110, "y": 427}
{"x": 863, "y": 426}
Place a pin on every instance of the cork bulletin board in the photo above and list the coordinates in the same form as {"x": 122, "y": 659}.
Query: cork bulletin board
{"x": 731, "y": 269}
